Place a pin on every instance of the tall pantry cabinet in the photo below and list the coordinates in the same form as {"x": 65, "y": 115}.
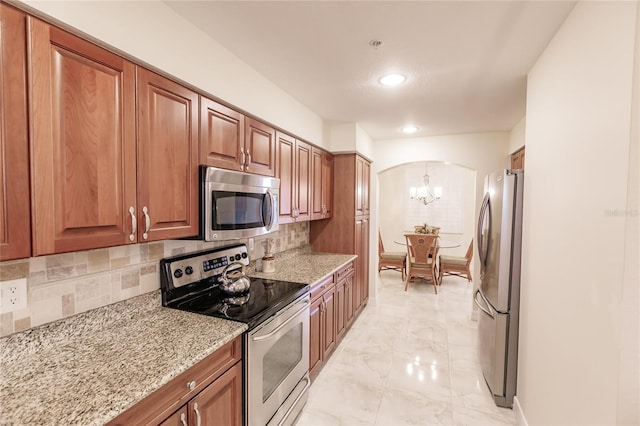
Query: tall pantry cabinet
{"x": 348, "y": 230}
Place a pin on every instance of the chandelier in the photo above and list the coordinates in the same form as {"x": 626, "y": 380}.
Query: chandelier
{"x": 424, "y": 193}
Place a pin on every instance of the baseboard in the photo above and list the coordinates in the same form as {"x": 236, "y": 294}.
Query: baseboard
{"x": 517, "y": 410}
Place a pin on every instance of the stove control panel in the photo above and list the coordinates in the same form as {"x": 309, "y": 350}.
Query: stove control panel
{"x": 186, "y": 269}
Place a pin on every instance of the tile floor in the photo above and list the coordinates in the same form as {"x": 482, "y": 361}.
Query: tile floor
{"x": 409, "y": 359}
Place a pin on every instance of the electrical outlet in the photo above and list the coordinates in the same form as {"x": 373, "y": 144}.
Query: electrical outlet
{"x": 13, "y": 295}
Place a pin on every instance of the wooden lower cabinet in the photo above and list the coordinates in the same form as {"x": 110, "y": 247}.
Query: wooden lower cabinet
{"x": 330, "y": 315}
{"x": 221, "y": 402}
{"x": 210, "y": 390}
{"x": 322, "y": 325}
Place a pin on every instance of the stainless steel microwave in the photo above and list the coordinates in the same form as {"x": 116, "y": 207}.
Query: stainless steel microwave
{"x": 236, "y": 205}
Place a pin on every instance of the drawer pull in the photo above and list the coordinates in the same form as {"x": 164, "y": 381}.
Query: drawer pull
{"x": 191, "y": 385}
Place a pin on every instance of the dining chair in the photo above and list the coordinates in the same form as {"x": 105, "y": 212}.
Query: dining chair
{"x": 422, "y": 250}
{"x": 392, "y": 260}
{"x": 456, "y": 265}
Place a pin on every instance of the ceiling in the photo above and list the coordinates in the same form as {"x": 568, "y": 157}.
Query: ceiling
{"x": 466, "y": 62}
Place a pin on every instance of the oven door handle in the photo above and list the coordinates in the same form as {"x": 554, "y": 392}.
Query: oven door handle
{"x": 291, "y": 318}
{"x": 293, "y": 405}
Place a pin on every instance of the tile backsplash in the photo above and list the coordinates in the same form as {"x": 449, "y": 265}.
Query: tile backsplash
{"x": 62, "y": 285}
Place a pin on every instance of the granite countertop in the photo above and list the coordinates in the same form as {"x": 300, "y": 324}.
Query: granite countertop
{"x": 87, "y": 369}
{"x": 305, "y": 266}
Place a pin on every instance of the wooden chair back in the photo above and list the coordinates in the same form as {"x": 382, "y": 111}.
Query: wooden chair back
{"x": 420, "y": 246}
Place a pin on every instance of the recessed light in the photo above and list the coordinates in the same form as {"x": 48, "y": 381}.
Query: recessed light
{"x": 392, "y": 80}
{"x": 410, "y": 129}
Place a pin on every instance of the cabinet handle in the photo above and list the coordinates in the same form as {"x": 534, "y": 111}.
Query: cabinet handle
{"x": 183, "y": 419}
{"x": 243, "y": 158}
{"x": 147, "y": 222}
{"x": 191, "y": 385}
{"x": 134, "y": 224}
{"x": 246, "y": 167}
{"x": 198, "y": 419}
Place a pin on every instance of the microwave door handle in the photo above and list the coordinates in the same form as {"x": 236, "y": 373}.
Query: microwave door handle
{"x": 270, "y": 210}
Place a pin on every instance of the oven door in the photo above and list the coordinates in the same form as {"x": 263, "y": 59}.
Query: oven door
{"x": 277, "y": 364}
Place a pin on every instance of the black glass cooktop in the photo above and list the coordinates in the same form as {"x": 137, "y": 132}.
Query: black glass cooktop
{"x": 264, "y": 298}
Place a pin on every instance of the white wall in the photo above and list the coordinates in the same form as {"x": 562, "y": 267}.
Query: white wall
{"x": 481, "y": 152}
{"x": 349, "y": 137}
{"x": 629, "y": 325}
{"x": 155, "y": 34}
{"x": 516, "y": 136}
{"x": 578, "y": 147}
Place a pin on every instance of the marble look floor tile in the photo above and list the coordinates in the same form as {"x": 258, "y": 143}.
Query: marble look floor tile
{"x": 411, "y": 375}
{"x": 410, "y": 358}
{"x": 359, "y": 362}
{"x": 404, "y": 408}
{"x": 470, "y": 417}
{"x": 346, "y": 397}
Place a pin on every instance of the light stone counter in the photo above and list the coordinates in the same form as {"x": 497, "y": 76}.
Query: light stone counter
{"x": 87, "y": 369}
{"x": 305, "y": 266}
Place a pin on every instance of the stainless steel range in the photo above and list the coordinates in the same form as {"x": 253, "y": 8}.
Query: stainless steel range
{"x": 276, "y": 345}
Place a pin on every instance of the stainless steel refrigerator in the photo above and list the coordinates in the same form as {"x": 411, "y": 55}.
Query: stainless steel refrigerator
{"x": 499, "y": 237}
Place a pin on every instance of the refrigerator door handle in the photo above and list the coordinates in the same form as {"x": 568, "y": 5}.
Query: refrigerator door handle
{"x": 485, "y": 310}
{"x": 482, "y": 246}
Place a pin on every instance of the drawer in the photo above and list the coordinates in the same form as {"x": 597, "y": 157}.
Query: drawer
{"x": 345, "y": 271}
{"x": 320, "y": 286}
{"x": 160, "y": 404}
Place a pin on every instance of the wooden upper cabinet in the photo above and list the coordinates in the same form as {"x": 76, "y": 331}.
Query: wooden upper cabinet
{"x": 15, "y": 230}
{"x": 260, "y": 148}
{"x": 362, "y": 186}
{"x": 293, "y": 168}
{"x": 327, "y": 184}
{"x": 221, "y": 136}
{"x": 285, "y": 171}
{"x": 167, "y": 158}
{"x": 517, "y": 159}
{"x": 303, "y": 178}
{"x": 322, "y": 184}
{"x": 83, "y": 142}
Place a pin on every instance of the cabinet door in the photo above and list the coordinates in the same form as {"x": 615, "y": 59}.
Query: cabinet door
{"x": 285, "y": 171}
{"x": 167, "y": 158}
{"x": 260, "y": 148}
{"x": 340, "y": 307}
{"x": 221, "y": 135}
{"x": 303, "y": 180}
{"x": 364, "y": 290}
{"x": 327, "y": 184}
{"x": 366, "y": 177}
{"x": 348, "y": 300}
{"x": 221, "y": 402}
{"x": 329, "y": 322}
{"x": 359, "y": 274}
{"x": 359, "y": 194}
{"x": 83, "y": 141}
{"x": 15, "y": 230}
{"x": 315, "y": 336}
{"x": 179, "y": 418}
{"x": 317, "y": 208}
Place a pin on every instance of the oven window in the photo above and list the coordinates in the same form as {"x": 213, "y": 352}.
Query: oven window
{"x": 237, "y": 210}
{"x": 284, "y": 356}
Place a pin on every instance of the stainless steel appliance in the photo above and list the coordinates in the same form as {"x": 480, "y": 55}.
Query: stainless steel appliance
{"x": 276, "y": 345}
{"x": 499, "y": 237}
{"x": 236, "y": 204}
